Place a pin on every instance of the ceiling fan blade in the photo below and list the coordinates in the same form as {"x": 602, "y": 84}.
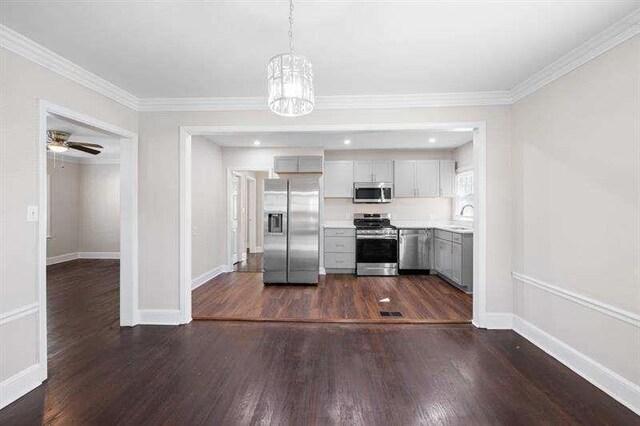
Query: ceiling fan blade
{"x": 84, "y": 149}
{"x": 92, "y": 145}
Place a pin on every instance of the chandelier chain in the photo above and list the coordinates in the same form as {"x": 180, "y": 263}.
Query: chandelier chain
{"x": 291, "y": 26}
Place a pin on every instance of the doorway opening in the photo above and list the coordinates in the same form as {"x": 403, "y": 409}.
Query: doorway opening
{"x": 87, "y": 238}
{"x": 341, "y": 210}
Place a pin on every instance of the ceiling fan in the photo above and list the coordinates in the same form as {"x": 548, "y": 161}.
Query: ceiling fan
{"x": 58, "y": 141}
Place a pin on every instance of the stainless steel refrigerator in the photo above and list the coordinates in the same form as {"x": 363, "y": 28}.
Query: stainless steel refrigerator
{"x": 291, "y": 231}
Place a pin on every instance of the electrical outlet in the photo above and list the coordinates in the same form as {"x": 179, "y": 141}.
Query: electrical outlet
{"x": 32, "y": 213}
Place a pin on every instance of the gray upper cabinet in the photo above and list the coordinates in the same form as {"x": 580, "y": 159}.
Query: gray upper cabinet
{"x": 404, "y": 179}
{"x": 416, "y": 178}
{"x": 427, "y": 178}
{"x": 373, "y": 171}
{"x": 310, "y": 164}
{"x": 447, "y": 177}
{"x": 338, "y": 179}
{"x": 295, "y": 164}
{"x": 285, "y": 164}
{"x": 382, "y": 171}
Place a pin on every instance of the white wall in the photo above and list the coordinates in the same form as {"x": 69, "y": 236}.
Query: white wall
{"x": 85, "y": 209}
{"x": 401, "y": 208}
{"x": 64, "y": 228}
{"x": 208, "y": 189}
{"x": 576, "y": 165}
{"x": 22, "y": 84}
{"x": 100, "y": 208}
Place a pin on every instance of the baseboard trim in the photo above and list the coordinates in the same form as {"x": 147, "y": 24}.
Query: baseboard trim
{"x": 498, "y": 320}
{"x": 99, "y": 255}
{"x": 83, "y": 255}
{"x": 616, "y": 386}
{"x": 159, "y": 317}
{"x": 323, "y": 271}
{"x": 20, "y": 384}
{"x": 198, "y": 281}
{"x": 53, "y": 260}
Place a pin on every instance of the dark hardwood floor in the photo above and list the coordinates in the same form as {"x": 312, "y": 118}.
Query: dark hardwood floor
{"x": 336, "y": 298}
{"x": 220, "y": 373}
{"x": 252, "y": 264}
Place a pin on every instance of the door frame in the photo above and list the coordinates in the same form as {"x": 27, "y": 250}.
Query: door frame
{"x": 230, "y": 255}
{"x": 479, "y": 129}
{"x": 230, "y": 172}
{"x": 252, "y": 201}
{"x": 129, "y": 313}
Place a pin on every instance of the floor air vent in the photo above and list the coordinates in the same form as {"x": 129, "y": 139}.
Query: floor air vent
{"x": 390, "y": 314}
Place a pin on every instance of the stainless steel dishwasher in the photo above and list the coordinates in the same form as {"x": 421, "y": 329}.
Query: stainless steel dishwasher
{"x": 415, "y": 249}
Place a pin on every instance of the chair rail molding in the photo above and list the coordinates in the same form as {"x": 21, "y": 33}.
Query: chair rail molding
{"x": 21, "y": 312}
{"x": 602, "y": 307}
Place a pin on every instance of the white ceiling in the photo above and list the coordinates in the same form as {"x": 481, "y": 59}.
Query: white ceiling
{"x": 80, "y": 133}
{"x": 220, "y": 49}
{"x": 359, "y": 140}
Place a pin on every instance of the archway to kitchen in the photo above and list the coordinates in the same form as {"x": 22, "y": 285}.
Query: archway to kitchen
{"x": 476, "y": 130}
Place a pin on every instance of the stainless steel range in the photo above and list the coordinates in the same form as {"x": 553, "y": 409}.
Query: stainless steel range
{"x": 376, "y": 244}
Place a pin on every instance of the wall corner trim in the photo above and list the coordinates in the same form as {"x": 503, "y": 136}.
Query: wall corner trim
{"x": 159, "y": 317}
{"x": 619, "y": 388}
{"x": 498, "y": 320}
{"x": 209, "y": 275}
{"x": 20, "y": 384}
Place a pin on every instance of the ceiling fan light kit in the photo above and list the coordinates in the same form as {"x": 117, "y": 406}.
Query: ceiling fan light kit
{"x": 58, "y": 142}
{"x": 290, "y": 81}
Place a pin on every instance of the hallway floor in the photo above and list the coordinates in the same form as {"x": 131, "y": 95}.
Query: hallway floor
{"x": 258, "y": 373}
{"x": 252, "y": 264}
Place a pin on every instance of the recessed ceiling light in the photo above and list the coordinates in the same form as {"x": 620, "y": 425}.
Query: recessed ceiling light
{"x": 347, "y": 141}
{"x": 256, "y": 143}
{"x": 432, "y": 140}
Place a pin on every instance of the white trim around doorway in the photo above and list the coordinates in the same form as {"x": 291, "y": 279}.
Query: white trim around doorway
{"x": 480, "y": 220}
{"x": 129, "y": 314}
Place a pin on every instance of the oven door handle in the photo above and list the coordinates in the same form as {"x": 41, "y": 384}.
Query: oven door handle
{"x": 376, "y": 237}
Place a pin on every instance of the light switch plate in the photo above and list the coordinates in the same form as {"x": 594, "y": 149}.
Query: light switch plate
{"x": 32, "y": 213}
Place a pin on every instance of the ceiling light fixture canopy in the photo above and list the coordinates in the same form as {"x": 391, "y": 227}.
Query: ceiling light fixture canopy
{"x": 290, "y": 81}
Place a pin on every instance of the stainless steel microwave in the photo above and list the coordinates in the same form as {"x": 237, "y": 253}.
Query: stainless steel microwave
{"x": 372, "y": 192}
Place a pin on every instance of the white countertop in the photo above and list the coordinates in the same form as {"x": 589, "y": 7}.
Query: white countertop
{"x": 424, "y": 224}
{"x": 405, "y": 224}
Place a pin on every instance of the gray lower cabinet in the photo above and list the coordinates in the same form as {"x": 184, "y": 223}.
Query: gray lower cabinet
{"x": 340, "y": 250}
{"x": 453, "y": 258}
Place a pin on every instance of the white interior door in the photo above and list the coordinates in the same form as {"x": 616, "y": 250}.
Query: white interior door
{"x": 235, "y": 217}
{"x": 251, "y": 216}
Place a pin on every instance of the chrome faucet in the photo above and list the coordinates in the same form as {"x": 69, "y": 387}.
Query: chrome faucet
{"x": 464, "y": 207}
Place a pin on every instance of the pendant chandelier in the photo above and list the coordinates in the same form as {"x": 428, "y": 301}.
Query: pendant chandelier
{"x": 290, "y": 81}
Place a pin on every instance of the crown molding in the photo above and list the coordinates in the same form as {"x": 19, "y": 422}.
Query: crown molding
{"x": 611, "y": 37}
{"x": 29, "y": 49}
{"x": 331, "y": 102}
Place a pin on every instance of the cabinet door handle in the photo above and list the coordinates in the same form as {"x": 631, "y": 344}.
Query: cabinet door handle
{"x": 339, "y": 245}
